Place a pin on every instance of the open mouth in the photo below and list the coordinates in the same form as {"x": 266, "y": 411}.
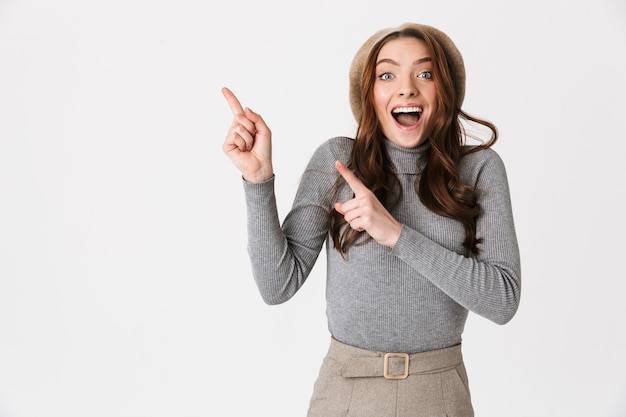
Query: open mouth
{"x": 407, "y": 116}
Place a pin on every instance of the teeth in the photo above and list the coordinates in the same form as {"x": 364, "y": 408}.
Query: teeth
{"x": 407, "y": 110}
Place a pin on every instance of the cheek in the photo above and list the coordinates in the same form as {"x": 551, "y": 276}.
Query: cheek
{"x": 434, "y": 104}
{"x": 380, "y": 102}
{"x": 431, "y": 93}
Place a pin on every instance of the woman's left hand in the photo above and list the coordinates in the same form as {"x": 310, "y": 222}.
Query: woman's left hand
{"x": 365, "y": 211}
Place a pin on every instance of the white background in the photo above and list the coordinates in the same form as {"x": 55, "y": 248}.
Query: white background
{"x": 125, "y": 288}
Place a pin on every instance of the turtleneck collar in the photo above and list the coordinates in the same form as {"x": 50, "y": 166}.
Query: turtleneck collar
{"x": 408, "y": 160}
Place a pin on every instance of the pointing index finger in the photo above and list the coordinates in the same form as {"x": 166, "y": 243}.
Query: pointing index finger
{"x": 233, "y": 102}
{"x": 353, "y": 182}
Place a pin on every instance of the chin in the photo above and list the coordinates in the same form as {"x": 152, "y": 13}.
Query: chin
{"x": 407, "y": 142}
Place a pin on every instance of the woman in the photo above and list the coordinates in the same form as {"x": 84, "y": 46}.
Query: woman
{"x": 418, "y": 229}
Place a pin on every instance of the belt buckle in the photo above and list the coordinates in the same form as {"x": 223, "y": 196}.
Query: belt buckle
{"x": 386, "y": 373}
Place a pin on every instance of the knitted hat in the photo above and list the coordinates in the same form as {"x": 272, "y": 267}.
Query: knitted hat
{"x": 453, "y": 56}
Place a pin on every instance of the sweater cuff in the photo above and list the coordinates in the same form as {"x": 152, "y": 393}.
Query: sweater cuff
{"x": 260, "y": 191}
{"x": 409, "y": 242}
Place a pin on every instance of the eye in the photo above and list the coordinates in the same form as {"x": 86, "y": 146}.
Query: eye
{"x": 385, "y": 76}
{"x": 425, "y": 74}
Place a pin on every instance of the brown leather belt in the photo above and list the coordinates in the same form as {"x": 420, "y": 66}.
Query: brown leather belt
{"x": 359, "y": 363}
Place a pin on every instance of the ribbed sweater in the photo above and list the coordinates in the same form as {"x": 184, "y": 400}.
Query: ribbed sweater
{"x": 413, "y": 297}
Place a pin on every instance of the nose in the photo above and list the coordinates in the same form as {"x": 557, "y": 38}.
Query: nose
{"x": 408, "y": 88}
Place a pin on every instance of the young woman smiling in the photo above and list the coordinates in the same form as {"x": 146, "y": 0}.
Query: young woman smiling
{"x": 417, "y": 223}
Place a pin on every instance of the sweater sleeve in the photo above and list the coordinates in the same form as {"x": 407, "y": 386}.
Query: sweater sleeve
{"x": 283, "y": 255}
{"x": 488, "y": 284}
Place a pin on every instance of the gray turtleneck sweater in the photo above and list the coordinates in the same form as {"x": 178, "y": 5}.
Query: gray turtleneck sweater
{"x": 412, "y": 298}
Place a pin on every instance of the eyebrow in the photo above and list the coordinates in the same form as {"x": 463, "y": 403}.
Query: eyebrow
{"x": 391, "y": 61}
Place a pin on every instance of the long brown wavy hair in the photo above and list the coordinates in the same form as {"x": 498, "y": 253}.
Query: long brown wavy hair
{"x": 439, "y": 187}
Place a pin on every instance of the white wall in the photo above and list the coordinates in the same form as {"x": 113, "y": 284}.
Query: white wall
{"x": 125, "y": 288}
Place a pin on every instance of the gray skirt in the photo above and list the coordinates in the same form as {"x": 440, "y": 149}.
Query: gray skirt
{"x": 355, "y": 382}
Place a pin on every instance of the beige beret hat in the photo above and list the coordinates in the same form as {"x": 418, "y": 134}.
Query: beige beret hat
{"x": 455, "y": 60}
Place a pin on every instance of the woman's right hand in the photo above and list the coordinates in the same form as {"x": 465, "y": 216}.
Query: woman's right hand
{"x": 248, "y": 142}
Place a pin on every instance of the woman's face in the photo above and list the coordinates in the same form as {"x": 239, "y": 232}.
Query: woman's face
{"x": 404, "y": 91}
